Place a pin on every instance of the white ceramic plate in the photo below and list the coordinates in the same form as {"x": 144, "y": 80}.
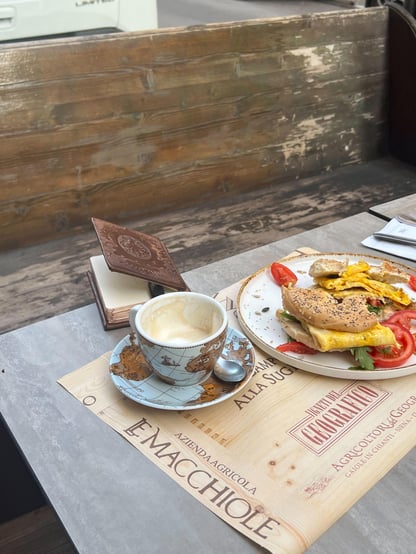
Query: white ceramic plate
{"x": 130, "y": 373}
{"x": 260, "y": 297}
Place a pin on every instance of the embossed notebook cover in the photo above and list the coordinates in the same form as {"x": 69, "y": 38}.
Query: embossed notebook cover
{"x": 135, "y": 253}
{"x": 126, "y": 274}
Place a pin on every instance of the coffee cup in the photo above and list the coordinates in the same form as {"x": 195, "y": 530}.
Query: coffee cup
{"x": 181, "y": 335}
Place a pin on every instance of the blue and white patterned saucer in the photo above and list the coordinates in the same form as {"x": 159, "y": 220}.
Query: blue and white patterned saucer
{"x": 131, "y": 374}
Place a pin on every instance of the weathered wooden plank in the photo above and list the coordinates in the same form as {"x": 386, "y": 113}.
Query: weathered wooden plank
{"x": 49, "y": 278}
{"x": 158, "y": 195}
{"x": 115, "y": 53}
{"x": 118, "y": 79}
{"x": 103, "y": 97}
{"x": 237, "y": 99}
{"x": 140, "y": 149}
{"x": 303, "y": 153}
{"x": 131, "y": 125}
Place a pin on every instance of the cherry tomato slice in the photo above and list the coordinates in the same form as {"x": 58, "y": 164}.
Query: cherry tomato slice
{"x": 282, "y": 274}
{"x": 412, "y": 282}
{"x": 402, "y": 317}
{"x": 393, "y": 356}
{"x": 295, "y": 346}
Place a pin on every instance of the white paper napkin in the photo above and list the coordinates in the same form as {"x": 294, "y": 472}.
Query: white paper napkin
{"x": 396, "y": 237}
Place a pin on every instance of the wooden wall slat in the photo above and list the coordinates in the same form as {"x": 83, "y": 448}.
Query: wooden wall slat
{"x": 114, "y": 52}
{"x": 81, "y": 100}
{"x": 134, "y": 151}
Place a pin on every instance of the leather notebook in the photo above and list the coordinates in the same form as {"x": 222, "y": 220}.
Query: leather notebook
{"x": 133, "y": 268}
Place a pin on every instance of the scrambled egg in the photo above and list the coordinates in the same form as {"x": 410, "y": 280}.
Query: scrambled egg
{"x": 356, "y": 276}
{"x": 327, "y": 339}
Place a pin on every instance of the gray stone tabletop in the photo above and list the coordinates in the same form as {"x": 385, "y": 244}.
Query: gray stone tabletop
{"x": 405, "y": 206}
{"x": 109, "y": 497}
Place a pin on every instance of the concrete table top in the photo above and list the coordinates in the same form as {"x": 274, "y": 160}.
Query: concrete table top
{"x": 109, "y": 497}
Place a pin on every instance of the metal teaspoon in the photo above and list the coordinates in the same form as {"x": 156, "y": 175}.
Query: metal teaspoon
{"x": 230, "y": 371}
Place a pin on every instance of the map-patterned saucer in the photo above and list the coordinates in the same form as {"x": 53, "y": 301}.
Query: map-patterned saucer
{"x": 131, "y": 374}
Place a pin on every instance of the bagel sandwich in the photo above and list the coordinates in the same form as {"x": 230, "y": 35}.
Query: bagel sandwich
{"x": 315, "y": 318}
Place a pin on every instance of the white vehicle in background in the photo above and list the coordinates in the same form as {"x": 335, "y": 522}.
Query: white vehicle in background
{"x": 27, "y": 19}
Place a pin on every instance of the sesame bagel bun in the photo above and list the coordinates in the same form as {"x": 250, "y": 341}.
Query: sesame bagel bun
{"x": 317, "y": 307}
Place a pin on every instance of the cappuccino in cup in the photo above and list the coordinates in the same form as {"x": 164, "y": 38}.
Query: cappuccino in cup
{"x": 181, "y": 335}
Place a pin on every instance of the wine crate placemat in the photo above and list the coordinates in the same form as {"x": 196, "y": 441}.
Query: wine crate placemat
{"x": 283, "y": 459}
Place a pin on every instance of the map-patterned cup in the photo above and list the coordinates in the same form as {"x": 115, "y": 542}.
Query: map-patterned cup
{"x": 181, "y": 335}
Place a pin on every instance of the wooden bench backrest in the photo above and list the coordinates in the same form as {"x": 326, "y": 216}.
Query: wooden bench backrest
{"x": 124, "y": 125}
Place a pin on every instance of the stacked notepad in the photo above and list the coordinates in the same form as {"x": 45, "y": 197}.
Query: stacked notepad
{"x": 397, "y": 237}
{"x": 116, "y": 292}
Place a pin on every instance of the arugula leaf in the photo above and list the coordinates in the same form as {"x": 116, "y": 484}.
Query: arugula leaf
{"x": 363, "y": 358}
{"x": 288, "y": 316}
{"x": 374, "y": 309}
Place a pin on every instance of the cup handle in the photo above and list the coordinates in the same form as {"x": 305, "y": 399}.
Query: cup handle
{"x": 132, "y": 317}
